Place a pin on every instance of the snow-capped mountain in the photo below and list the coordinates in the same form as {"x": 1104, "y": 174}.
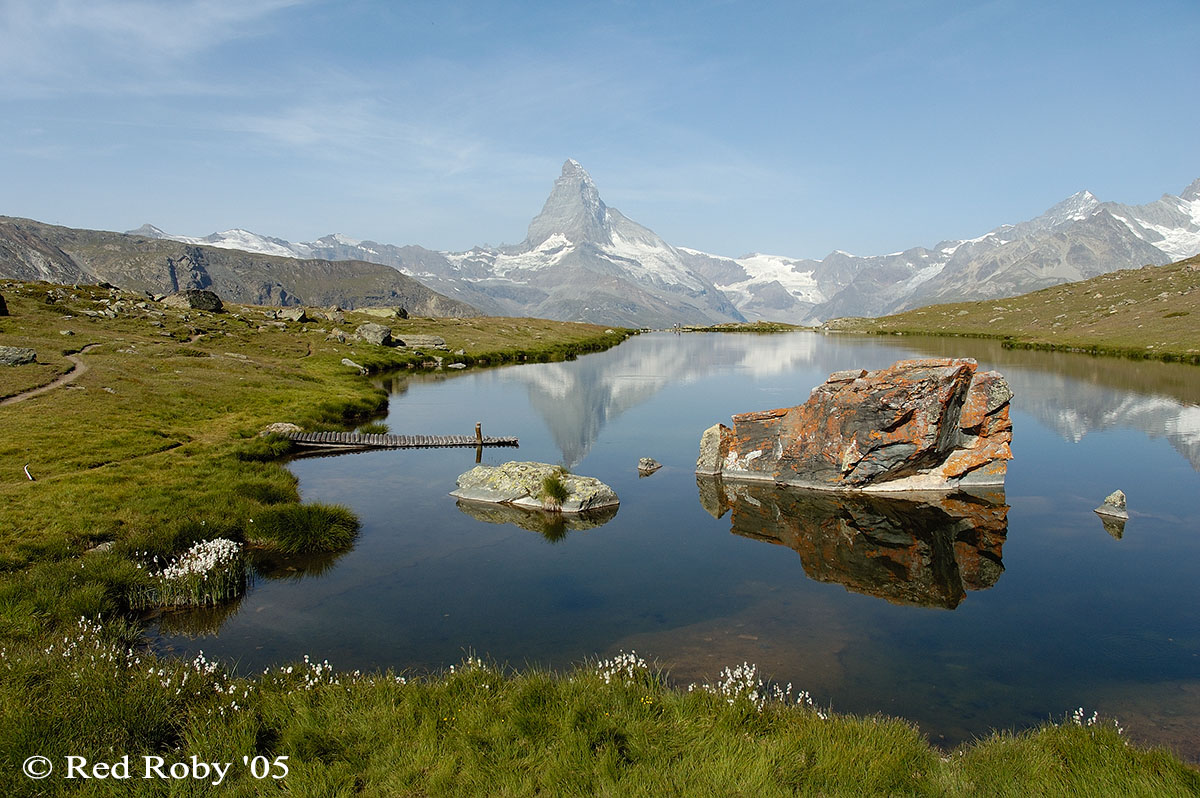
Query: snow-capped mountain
{"x": 1077, "y": 238}
{"x": 584, "y": 261}
{"x": 580, "y": 261}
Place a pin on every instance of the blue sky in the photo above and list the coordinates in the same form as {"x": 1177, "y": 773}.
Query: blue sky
{"x": 792, "y": 128}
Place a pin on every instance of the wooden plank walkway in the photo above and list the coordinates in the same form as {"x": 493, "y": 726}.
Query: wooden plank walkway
{"x": 355, "y": 440}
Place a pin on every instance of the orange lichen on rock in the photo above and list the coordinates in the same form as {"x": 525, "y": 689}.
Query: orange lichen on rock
{"x": 930, "y": 424}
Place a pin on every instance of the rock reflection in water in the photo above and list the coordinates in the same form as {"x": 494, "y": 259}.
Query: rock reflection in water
{"x": 925, "y": 550}
{"x": 550, "y": 525}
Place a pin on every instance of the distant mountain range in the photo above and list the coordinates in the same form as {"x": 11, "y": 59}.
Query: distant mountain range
{"x": 584, "y": 261}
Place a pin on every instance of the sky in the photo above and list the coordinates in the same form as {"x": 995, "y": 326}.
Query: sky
{"x": 791, "y": 128}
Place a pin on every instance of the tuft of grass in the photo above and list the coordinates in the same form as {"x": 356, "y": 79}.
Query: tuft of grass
{"x": 374, "y": 428}
{"x": 555, "y": 490}
{"x": 304, "y": 528}
{"x": 264, "y": 449}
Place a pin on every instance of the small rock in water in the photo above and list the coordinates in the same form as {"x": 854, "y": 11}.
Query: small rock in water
{"x": 1114, "y": 505}
{"x": 648, "y": 465}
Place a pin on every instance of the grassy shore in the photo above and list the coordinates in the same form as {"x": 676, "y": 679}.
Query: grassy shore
{"x": 1148, "y": 313}
{"x": 153, "y": 452}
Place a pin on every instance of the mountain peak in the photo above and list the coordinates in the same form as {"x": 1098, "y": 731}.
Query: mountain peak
{"x": 150, "y": 231}
{"x": 573, "y": 210}
{"x": 1192, "y": 192}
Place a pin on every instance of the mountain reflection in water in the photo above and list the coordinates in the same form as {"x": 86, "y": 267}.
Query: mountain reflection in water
{"x": 925, "y": 550}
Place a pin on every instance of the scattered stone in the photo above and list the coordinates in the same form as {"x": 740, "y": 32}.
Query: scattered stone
{"x": 520, "y": 484}
{"x": 422, "y": 342}
{"x": 16, "y": 356}
{"x": 383, "y": 313}
{"x": 66, "y": 332}
{"x": 460, "y": 352}
{"x": 194, "y": 299}
{"x": 335, "y": 315}
{"x": 292, "y": 314}
{"x": 1114, "y": 505}
{"x": 932, "y": 424}
{"x": 457, "y": 366}
{"x": 101, "y": 547}
{"x": 348, "y": 362}
{"x": 374, "y": 333}
{"x": 336, "y": 335}
{"x": 280, "y": 428}
{"x": 648, "y": 465}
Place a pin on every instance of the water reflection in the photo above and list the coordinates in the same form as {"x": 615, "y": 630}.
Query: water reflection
{"x": 1076, "y": 395}
{"x": 927, "y": 551}
{"x": 550, "y": 525}
{"x": 577, "y": 399}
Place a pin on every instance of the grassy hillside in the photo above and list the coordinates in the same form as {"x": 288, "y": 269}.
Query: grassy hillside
{"x": 1153, "y": 312}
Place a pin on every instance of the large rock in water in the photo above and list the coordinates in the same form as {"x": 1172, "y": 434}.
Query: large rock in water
{"x": 520, "y": 484}
{"x": 933, "y": 424}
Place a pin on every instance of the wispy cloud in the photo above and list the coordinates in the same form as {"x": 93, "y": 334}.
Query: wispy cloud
{"x": 70, "y": 46}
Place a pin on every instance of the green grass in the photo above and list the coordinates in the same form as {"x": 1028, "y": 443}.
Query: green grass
{"x": 1137, "y": 313}
{"x": 374, "y": 428}
{"x": 304, "y": 528}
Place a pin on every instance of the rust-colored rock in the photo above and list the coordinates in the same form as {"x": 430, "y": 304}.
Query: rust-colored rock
{"x": 926, "y": 550}
{"x": 934, "y": 424}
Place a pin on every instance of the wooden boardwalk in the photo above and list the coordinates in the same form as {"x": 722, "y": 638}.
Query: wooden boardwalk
{"x": 355, "y": 440}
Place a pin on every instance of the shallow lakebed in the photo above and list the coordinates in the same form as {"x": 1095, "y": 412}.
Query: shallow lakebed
{"x": 984, "y": 612}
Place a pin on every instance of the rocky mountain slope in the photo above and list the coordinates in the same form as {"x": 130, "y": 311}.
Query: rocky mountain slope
{"x": 32, "y": 250}
{"x": 1079, "y": 238}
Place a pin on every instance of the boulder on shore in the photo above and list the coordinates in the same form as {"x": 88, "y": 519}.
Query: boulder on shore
{"x": 194, "y": 299}
{"x": 17, "y": 356}
{"x": 929, "y": 424}
{"x": 374, "y": 333}
{"x": 521, "y": 484}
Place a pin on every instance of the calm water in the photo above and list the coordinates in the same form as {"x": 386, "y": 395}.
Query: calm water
{"x": 995, "y": 612}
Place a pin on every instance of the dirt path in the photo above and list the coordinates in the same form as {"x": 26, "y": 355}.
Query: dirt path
{"x": 77, "y": 370}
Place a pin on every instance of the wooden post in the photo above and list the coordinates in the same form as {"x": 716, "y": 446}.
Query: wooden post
{"x": 478, "y": 434}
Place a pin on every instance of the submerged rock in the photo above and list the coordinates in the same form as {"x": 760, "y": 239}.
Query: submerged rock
{"x": 932, "y": 424}
{"x": 521, "y": 484}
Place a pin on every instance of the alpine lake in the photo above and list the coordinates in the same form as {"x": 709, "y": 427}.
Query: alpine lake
{"x": 1018, "y": 611}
